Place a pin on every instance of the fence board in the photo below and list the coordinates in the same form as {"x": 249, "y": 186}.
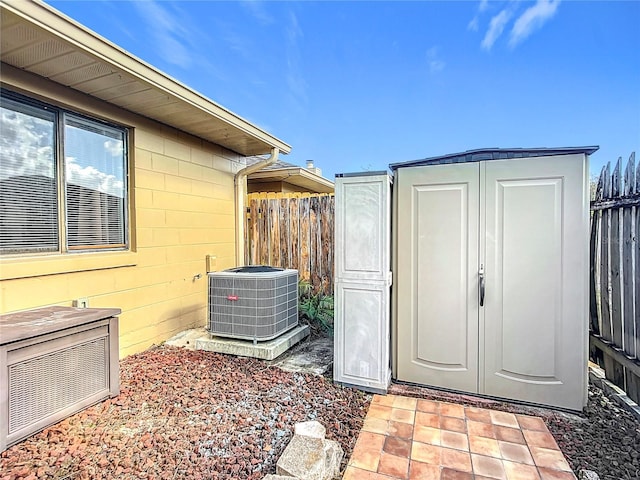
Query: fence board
{"x": 285, "y": 245}
{"x": 294, "y": 231}
{"x": 304, "y": 267}
{"x": 614, "y": 259}
{"x": 629, "y": 345}
{"x": 274, "y": 232}
{"x": 326, "y": 223}
{"x": 636, "y": 264}
{"x": 594, "y": 326}
{"x": 615, "y": 274}
{"x": 253, "y": 227}
{"x": 264, "y": 232}
{"x": 605, "y": 317}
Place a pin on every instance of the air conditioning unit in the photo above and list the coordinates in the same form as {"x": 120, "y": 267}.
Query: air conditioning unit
{"x": 253, "y": 303}
{"x": 54, "y": 362}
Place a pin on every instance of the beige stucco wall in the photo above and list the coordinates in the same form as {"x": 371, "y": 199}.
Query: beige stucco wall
{"x": 181, "y": 210}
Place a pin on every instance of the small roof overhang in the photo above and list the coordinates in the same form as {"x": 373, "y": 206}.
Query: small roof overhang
{"x": 495, "y": 154}
{"x": 298, "y": 176}
{"x": 39, "y": 39}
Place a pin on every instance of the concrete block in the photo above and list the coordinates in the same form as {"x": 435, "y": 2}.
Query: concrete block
{"x": 588, "y": 475}
{"x": 262, "y": 350}
{"x": 333, "y": 456}
{"x": 312, "y": 429}
{"x": 309, "y": 456}
{"x": 303, "y": 458}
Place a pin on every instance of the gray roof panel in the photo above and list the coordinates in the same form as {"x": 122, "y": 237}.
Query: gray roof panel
{"x": 494, "y": 154}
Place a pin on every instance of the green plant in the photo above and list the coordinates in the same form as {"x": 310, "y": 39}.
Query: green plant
{"x": 316, "y": 308}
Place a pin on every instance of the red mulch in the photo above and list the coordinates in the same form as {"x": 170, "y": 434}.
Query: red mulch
{"x": 189, "y": 414}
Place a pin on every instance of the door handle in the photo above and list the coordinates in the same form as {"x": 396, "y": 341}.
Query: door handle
{"x": 481, "y": 284}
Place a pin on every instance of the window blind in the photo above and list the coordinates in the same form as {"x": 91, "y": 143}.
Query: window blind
{"x": 28, "y": 189}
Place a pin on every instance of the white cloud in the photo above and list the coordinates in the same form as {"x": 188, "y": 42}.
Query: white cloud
{"x": 114, "y": 147}
{"x": 474, "y": 24}
{"x": 256, "y": 9}
{"x": 294, "y": 78}
{"x": 26, "y": 146}
{"x": 27, "y": 149}
{"x": 496, "y": 27}
{"x": 172, "y": 31}
{"x": 433, "y": 58}
{"x": 532, "y": 19}
{"x": 484, "y": 4}
{"x": 91, "y": 177}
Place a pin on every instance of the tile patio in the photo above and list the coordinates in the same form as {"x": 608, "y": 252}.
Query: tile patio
{"x": 408, "y": 438}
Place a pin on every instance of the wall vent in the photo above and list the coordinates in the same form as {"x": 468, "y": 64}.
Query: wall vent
{"x": 253, "y": 303}
{"x": 54, "y": 362}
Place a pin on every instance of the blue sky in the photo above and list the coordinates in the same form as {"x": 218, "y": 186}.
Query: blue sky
{"x": 358, "y": 85}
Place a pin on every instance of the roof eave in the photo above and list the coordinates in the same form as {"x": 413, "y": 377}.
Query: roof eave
{"x": 89, "y": 43}
{"x": 296, "y": 176}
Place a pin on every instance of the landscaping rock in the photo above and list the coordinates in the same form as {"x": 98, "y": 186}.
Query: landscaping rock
{"x": 588, "y": 475}
{"x": 309, "y": 456}
{"x": 192, "y": 415}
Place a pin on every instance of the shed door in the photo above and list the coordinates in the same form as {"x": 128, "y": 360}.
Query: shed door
{"x": 534, "y": 314}
{"x": 438, "y": 211}
{"x": 522, "y": 222}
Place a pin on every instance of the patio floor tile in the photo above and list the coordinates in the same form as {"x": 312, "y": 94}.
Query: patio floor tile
{"x": 519, "y": 471}
{"x": 458, "y": 441}
{"x": 429, "y": 406}
{"x": 484, "y": 446}
{"x": 394, "y": 466}
{"x": 402, "y": 415}
{"x": 450, "y": 474}
{"x": 507, "y": 434}
{"x": 423, "y": 471}
{"x": 480, "y": 429}
{"x": 451, "y": 410}
{"x": 399, "y": 429}
{"x": 400, "y": 447}
{"x": 426, "y": 435}
{"x": 549, "y": 474}
{"x": 540, "y": 439}
{"x": 415, "y": 439}
{"x": 549, "y": 458}
{"x": 456, "y": 460}
{"x": 515, "y": 452}
{"x": 488, "y": 466}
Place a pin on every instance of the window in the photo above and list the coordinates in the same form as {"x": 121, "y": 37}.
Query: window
{"x": 62, "y": 180}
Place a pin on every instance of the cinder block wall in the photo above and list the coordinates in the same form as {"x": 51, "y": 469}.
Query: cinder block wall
{"x": 181, "y": 210}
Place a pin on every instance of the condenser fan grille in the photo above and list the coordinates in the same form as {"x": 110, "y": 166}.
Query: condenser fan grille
{"x": 253, "y": 303}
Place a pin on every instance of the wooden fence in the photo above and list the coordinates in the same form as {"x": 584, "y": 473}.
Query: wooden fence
{"x": 292, "y": 230}
{"x": 615, "y": 275}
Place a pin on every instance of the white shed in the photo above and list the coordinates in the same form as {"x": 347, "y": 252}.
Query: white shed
{"x": 491, "y": 267}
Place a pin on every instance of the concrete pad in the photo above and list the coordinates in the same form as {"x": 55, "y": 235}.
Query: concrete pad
{"x": 262, "y": 350}
{"x": 187, "y": 339}
{"x": 314, "y": 356}
{"x": 271, "y": 476}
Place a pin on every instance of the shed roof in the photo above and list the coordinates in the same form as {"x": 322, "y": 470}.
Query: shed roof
{"x": 37, "y": 38}
{"x": 494, "y": 154}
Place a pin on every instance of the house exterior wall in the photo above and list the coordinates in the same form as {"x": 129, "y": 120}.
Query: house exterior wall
{"x": 181, "y": 209}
